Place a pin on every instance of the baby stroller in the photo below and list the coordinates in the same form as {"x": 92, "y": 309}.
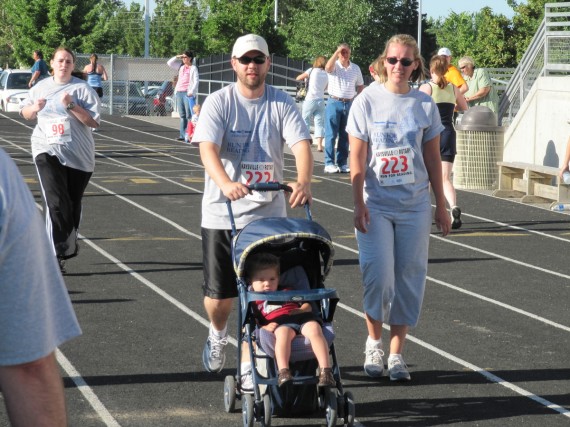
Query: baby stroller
{"x": 306, "y": 253}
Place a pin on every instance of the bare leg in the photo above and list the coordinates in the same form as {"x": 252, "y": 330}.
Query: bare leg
{"x": 397, "y": 338}
{"x": 374, "y": 328}
{"x": 448, "y": 189}
{"x": 218, "y": 311}
{"x": 33, "y": 393}
{"x": 283, "y": 337}
{"x": 314, "y": 332}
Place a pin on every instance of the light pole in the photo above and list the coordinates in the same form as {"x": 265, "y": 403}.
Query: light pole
{"x": 420, "y": 25}
{"x": 276, "y": 14}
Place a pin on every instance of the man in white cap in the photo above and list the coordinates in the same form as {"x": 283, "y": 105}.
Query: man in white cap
{"x": 241, "y": 132}
{"x": 453, "y": 75}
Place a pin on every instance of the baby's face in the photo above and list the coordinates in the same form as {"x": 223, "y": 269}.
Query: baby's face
{"x": 265, "y": 280}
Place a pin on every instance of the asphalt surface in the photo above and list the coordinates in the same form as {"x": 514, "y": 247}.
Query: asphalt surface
{"x": 491, "y": 349}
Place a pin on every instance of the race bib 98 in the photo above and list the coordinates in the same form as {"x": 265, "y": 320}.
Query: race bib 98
{"x": 58, "y": 130}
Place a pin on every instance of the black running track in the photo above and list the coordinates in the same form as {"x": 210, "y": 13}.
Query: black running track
{"x": 492, "y": 347}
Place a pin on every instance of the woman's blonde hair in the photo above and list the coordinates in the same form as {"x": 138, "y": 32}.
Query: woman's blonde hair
{"x": 404, "y": 39}
{"x": 438, "y": 66}
{"x": 320, "y": 62}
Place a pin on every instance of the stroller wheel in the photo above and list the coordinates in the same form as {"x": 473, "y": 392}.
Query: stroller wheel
{"x": 266, "y": 421}
{"x": 247, "y": 410}
{"x": 230, "y": 393}
{"x": 349, "y": 409}
{"x": 331, "y": 409}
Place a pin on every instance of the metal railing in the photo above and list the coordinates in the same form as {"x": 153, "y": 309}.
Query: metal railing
{"x": 547, "y": 54}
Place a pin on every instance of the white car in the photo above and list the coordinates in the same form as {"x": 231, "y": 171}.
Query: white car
{"x": 13, "y": 88}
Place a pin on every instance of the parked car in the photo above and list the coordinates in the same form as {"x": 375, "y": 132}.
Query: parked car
{"x": 163, "y": 103}
{"x": 127, "y": 98}
{"x": 13, "y": 88}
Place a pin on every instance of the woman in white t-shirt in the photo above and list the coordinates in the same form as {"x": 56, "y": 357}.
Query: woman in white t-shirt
{"x": 394, "y": 160}
{"x": 314, "y": 104}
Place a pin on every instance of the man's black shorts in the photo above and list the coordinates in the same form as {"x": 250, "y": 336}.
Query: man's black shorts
{"x": 219, "y": 275}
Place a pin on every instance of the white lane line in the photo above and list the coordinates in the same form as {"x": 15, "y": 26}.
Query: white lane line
{"x": 87, "y": 391}
{"x": 504, "y": 258}
{"x": 491, "y": 377}
{"x": 488, "y": 375}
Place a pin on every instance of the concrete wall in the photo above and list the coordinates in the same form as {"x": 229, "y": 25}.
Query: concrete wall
{"x": 539, "y": 132}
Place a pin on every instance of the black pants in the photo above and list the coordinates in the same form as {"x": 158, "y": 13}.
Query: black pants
{"x": 62, "y": 189}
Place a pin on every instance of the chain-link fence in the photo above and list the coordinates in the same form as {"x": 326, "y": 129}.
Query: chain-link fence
{"x": 144, "y": 86}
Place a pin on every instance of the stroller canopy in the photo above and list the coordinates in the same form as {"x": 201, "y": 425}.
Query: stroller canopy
{"x": 276, "y": 231}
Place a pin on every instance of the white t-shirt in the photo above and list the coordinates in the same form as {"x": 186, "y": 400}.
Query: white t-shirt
{"x": 344, "y": 81}
{"x": 35, "y": 310}
{"x": 58, "y": 132}
{"x": 318, "y": 81}
{"x": 396, "y": 127}
{"x": 251, "y": 135}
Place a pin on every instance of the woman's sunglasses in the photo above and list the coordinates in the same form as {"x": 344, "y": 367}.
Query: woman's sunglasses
{"x": 406, "y": 62}
{"x": 245, "y": 60}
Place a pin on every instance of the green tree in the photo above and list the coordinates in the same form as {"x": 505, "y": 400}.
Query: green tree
{"x": 226, "y": 20}
{"x": 482, "y": 35}
{"x": 46, "y": 24}
{"x": 527, "y": 19}
{"x": 176, "y": 26}
{"x": 311, "y": 33}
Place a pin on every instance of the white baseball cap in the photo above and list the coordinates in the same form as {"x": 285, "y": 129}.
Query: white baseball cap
{"x": 249, "y": 42}
{"x": 444, "y": 51}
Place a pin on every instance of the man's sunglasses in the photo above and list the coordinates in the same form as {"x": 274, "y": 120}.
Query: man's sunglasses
{"x": 406, "y": 62}
{"x": 245, "y": 60}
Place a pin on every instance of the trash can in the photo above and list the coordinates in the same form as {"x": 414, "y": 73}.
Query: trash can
{"x": 479, "y": 148}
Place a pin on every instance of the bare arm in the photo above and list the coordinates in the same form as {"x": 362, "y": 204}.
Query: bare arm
{"x": 432, "y": 160}
{"x": 565, "y": 167}
{"x": 463, "y": 88}
{"x": 302, "y": 76}
{"x": 481, "y": 93}
{"x": 460, "y": 101}
{"x": 329, "y": 68}
{"x": 33, "y": 393}
{"x": 103, "y": 72}
{"x": 35, "y": 76}
{"x": 358, "y": 154}
{"x": 30, "y": 112}
{"x": 210, "y": 154}
{"x": 80, "y": 113}
{"x": 304, "y": 163}
{"x": 425, "y": 88}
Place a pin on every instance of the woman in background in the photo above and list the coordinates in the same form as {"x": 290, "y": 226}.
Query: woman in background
{"x": 66, "y": 109}
{"x": 314, "y": 104}
{"x": 95, "y": 74}
{"x": 446, "y": 97}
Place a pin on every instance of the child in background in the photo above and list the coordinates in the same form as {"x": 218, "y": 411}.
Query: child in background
{"x": 192, "y": 123}
{"x": 286, "y": 320}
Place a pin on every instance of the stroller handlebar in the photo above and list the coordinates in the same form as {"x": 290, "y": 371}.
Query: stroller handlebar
{"x": 270, "y": 186}
{"x": 265, "y": 186}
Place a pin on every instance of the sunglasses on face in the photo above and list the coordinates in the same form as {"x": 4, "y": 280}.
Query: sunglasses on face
{"x": 406, "y": 62}
{"x": 463, "y": 68}
{"x": 245, "y": 60}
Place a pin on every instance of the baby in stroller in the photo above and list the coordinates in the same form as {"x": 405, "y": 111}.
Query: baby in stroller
{"x": 286, "y": 319}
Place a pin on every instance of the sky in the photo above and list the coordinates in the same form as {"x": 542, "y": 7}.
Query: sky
{"x": 442, "y": 8}
{"x": 433, "y": 8}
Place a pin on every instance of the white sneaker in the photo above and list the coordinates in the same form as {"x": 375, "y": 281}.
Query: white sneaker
{"x": 373, "y": 363}
{"x": 397, "y": 368}
{"x": 331, "y": 169}
{"x": 344, "y": 169}
{"x": 246, "y": 382}
{"x": 213, "y": 356}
